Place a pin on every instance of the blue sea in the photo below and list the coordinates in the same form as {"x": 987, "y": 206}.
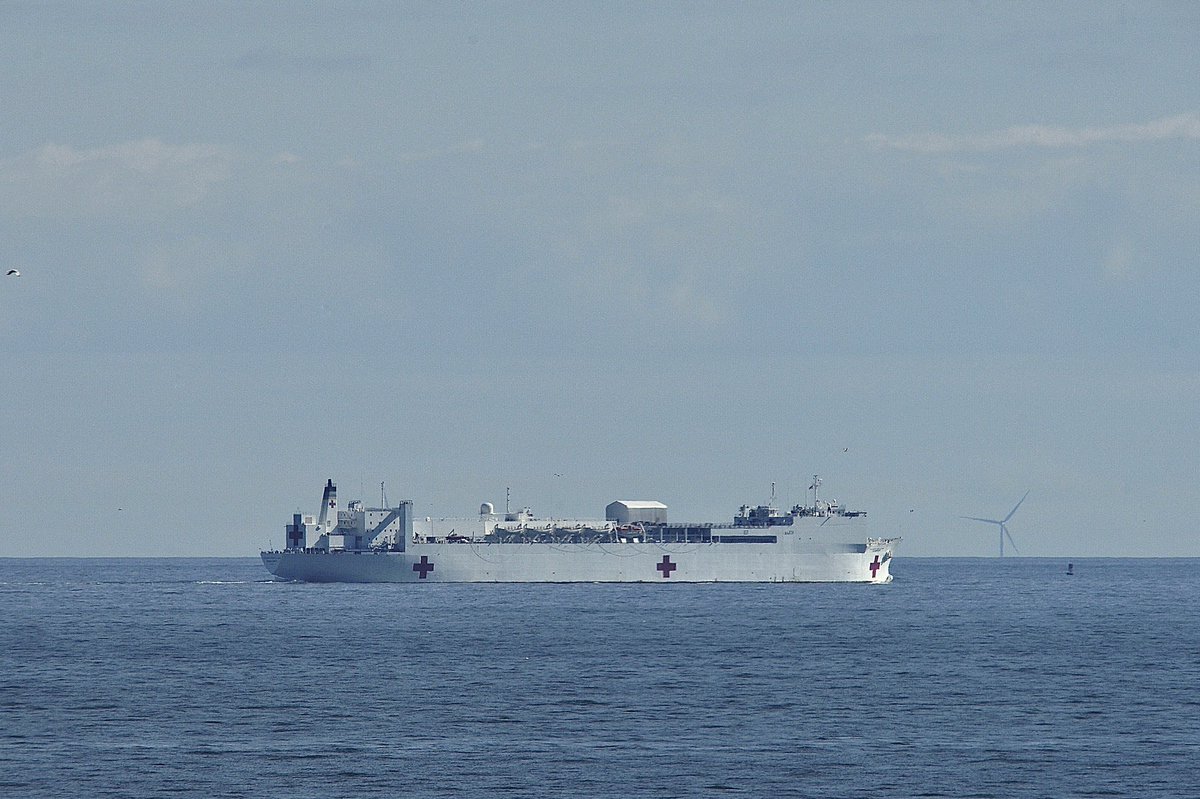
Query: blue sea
{"x": 962, "y": 678}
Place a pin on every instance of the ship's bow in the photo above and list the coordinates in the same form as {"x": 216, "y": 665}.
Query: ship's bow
{"x": 880, "y": 552}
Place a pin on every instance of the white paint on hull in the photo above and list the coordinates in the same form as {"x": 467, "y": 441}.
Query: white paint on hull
{"x": 789, "y": 561}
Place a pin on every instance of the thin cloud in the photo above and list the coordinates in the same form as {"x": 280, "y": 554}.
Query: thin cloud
{"x": 1119, "y": 264}
{"x": 266, "y": 59}
{"x": 147, "y": 173}
{"x": 1182, "y": 126}
{"x": 466, "y": 147}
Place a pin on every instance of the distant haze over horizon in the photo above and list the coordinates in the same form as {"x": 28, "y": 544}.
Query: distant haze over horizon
{"x": 940, "y": 254}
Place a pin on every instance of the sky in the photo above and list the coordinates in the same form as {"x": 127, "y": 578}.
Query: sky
{"x": 941, "y": 254}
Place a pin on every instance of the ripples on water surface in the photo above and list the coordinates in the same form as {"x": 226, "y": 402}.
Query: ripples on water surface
{"x": 986, "y": 678}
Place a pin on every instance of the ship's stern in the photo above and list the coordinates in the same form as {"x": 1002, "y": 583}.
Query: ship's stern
{"x": 271, "y": 561}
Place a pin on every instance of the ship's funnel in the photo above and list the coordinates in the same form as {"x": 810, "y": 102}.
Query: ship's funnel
{"x": 328, "y": 518}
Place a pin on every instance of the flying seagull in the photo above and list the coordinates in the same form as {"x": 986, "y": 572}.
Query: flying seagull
{"x": 13, "y": 273}
{"x": 1003, "y": 529}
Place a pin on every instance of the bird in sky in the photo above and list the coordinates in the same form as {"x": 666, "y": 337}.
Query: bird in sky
{"x": 13, "y": 273}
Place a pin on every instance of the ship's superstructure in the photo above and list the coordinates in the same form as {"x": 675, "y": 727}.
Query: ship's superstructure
{"x": 355, "y": 529}
{"x": 635, "y": 542}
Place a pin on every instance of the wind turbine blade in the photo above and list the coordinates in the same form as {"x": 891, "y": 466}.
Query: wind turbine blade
{"x": 1014, "y": 510}
{"x": 977, "y": 519}
{"x": 1010, "y": 539}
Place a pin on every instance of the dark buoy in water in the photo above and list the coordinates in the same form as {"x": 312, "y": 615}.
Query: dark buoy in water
{"x": 1070, "y": 569}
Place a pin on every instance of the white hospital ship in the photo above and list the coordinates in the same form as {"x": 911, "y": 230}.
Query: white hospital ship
{"x": 634, "y": 542}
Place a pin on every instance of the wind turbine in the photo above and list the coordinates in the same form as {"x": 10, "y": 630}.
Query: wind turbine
{"x": 1003, "y": 529}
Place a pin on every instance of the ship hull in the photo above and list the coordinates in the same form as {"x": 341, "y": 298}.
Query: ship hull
{"x": 474, "y": 562}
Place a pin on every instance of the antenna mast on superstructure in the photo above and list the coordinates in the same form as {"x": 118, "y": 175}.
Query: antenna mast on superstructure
{"x": 383, "y": 494}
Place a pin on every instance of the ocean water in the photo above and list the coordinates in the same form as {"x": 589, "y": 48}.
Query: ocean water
{"x": 964, "y": 678}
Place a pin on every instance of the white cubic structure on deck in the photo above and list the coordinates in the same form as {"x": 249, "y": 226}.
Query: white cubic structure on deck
{"x": 630, "y": 511}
